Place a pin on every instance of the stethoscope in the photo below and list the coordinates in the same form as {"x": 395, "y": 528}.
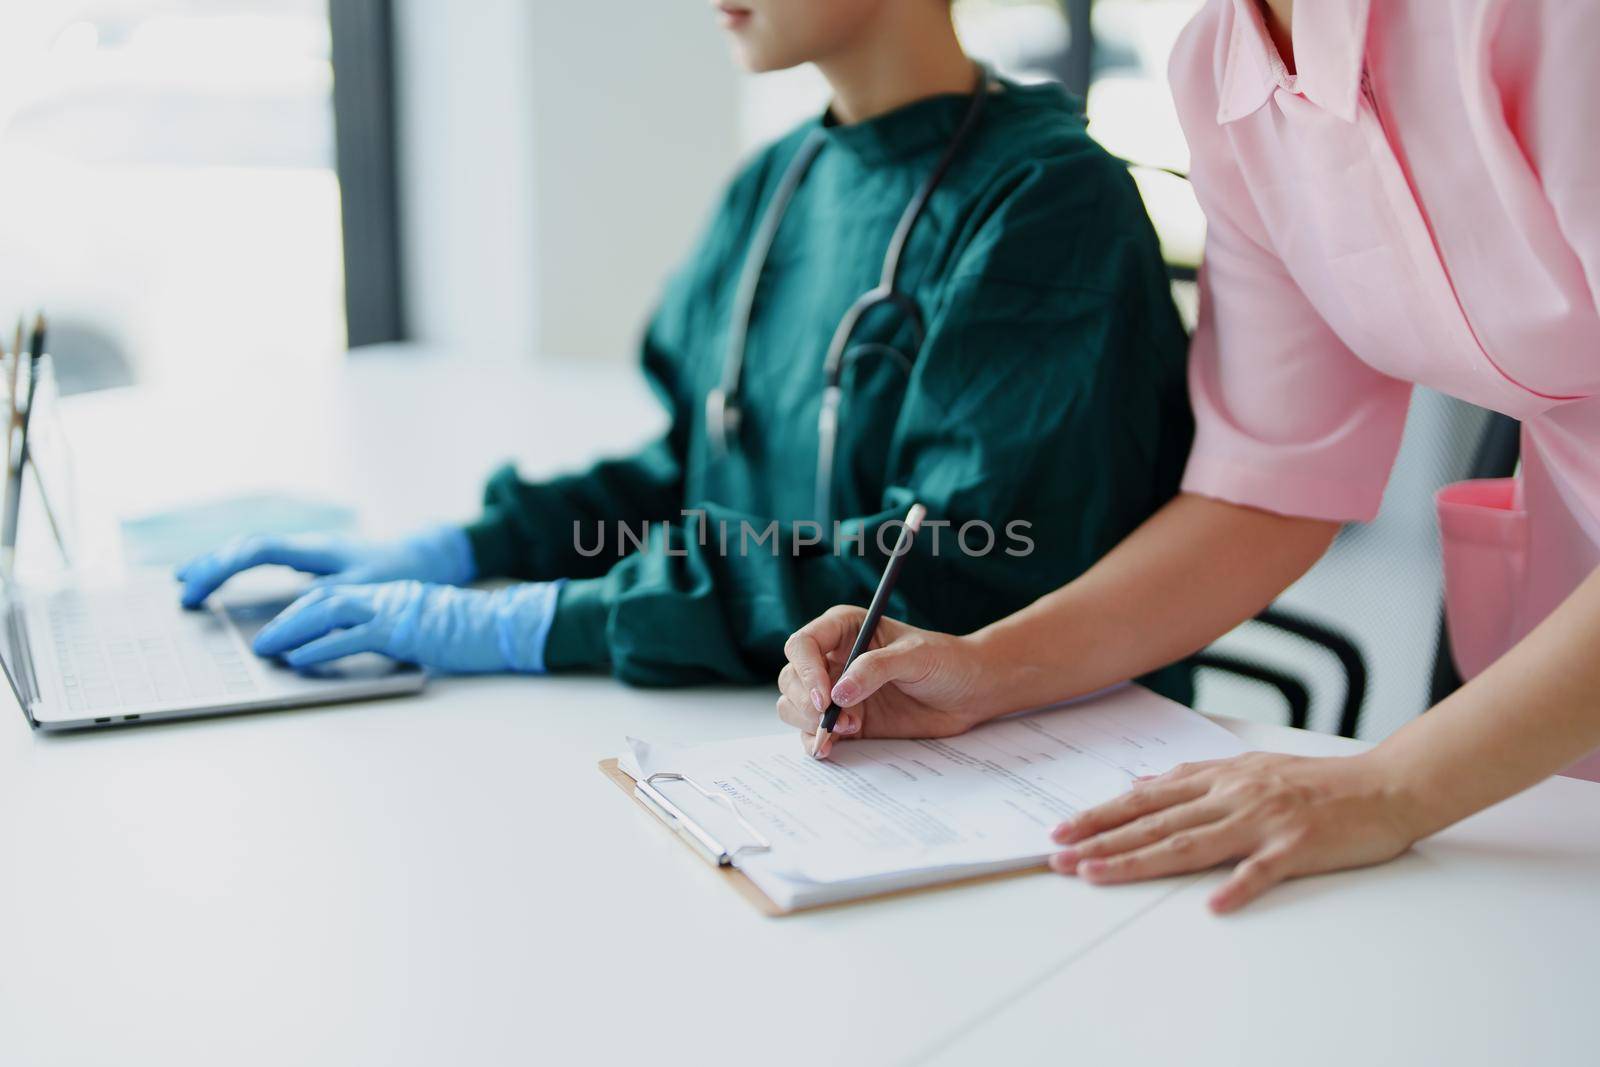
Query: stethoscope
{"x": 722, "y": 403}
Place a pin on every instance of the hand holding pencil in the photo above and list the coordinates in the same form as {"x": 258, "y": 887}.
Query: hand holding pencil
{"x": 881, "y": 677}
{"x": 869, "y": 625}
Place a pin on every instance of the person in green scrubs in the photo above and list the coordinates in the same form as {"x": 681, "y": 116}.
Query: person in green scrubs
{"x": 1041, "y": 418}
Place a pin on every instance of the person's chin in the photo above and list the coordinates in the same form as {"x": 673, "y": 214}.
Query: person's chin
{"x": 757, "y": 51}
{"x": 758, "y": 60}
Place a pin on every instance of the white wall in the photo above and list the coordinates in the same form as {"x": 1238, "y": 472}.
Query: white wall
{"x": 466, "y": 155}
{"x": 558, "y": 157}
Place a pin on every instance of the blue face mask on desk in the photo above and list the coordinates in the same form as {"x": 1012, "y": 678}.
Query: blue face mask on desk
{"x": 183, "y": 533}
{"x": 442, "y": 556}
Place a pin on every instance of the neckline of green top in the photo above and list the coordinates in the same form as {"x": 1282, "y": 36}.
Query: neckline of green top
{"x": 908, "y": 129}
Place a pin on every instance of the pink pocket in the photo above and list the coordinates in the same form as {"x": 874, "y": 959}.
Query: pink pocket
{"x": 1484, "y": 533}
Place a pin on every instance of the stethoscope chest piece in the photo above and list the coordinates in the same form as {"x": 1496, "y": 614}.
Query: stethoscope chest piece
{"x": 722, "y": 423}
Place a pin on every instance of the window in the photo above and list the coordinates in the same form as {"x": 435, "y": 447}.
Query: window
{"x": 1131, "y": 113}
{"x": 167, "y": 185}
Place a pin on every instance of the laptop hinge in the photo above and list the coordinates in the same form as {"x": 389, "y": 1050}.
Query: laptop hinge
{"x": 24, "y": 680}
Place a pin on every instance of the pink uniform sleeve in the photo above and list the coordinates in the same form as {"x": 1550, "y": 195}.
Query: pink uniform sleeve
{"x": 1287, "y": 419}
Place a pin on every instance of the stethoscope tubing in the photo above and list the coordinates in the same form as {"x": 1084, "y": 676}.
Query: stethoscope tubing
{"x": 722, "y": 403}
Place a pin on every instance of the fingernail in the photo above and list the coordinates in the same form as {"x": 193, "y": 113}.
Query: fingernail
{"x": 1062, "y": 865}
{"x": 847, "y": 727}
{"x": 1090, "y": 868}
{"x": 846, "y": 692}
{"x": 817, "y": 701}
{"x": 1067, "y": 858}
{"x": 1062, "y": 832}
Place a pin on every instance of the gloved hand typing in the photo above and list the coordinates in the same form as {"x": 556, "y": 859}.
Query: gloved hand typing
{"x": 441, "y": 555}
{"x": 460, "y": 631}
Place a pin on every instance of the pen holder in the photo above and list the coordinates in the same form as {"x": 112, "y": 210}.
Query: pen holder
{"x": 40, "y": 483}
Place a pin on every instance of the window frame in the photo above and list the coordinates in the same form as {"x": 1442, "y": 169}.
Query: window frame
{"x": 367, "y": 161}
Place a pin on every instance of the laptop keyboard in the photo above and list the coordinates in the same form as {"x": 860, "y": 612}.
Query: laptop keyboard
{"x": 125, "y": 649}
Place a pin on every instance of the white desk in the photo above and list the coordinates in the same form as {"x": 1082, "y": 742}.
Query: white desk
{"x": 1480, "y": 946}
{"x": 419, "y": 881}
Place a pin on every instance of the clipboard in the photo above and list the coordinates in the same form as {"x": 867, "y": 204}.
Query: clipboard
{"x": 711, "y": 851}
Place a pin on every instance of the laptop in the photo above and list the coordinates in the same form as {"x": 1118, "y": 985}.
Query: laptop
{"x": 80, "y": 657}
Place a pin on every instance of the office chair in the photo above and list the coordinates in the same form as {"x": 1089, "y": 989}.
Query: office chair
{"x": 1291, "y": 687}
{"x": 1362, "y": 633}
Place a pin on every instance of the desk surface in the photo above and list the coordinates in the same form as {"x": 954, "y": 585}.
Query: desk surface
{"x": 449, "y": 880}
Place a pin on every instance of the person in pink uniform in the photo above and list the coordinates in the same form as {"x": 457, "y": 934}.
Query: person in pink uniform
{"x": 1397, "y": 192}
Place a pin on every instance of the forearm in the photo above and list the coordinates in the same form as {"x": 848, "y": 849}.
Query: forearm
{"x": 566, "y": 527}
{"x": 1533, "y": 712}
{"x": 708, "y": 598}
{"x": 1189, "y": 574}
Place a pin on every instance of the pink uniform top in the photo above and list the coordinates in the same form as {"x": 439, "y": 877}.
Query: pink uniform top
{"x": 1418, "y": 203}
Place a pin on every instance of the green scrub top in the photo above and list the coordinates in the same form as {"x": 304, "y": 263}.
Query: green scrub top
{"x": 1049, "y": 391}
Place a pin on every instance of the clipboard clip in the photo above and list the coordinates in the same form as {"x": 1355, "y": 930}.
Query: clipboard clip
{"x": 702, "y": 840}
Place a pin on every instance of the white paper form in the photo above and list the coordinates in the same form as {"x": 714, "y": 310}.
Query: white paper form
{"x": 986, "y": 798}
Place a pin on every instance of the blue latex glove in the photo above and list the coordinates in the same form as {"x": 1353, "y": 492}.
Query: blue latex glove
{"x": 460, "y": 631}
{"x": 442, "y": 555}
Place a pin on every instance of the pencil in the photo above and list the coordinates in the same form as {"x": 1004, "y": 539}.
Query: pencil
{"x": 875, "y": 610}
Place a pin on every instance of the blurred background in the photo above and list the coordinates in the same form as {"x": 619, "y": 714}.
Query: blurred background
{"x": 167, "y": 176}
{"x": 175, "y": 187}
{"x": 221, "y": 191}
